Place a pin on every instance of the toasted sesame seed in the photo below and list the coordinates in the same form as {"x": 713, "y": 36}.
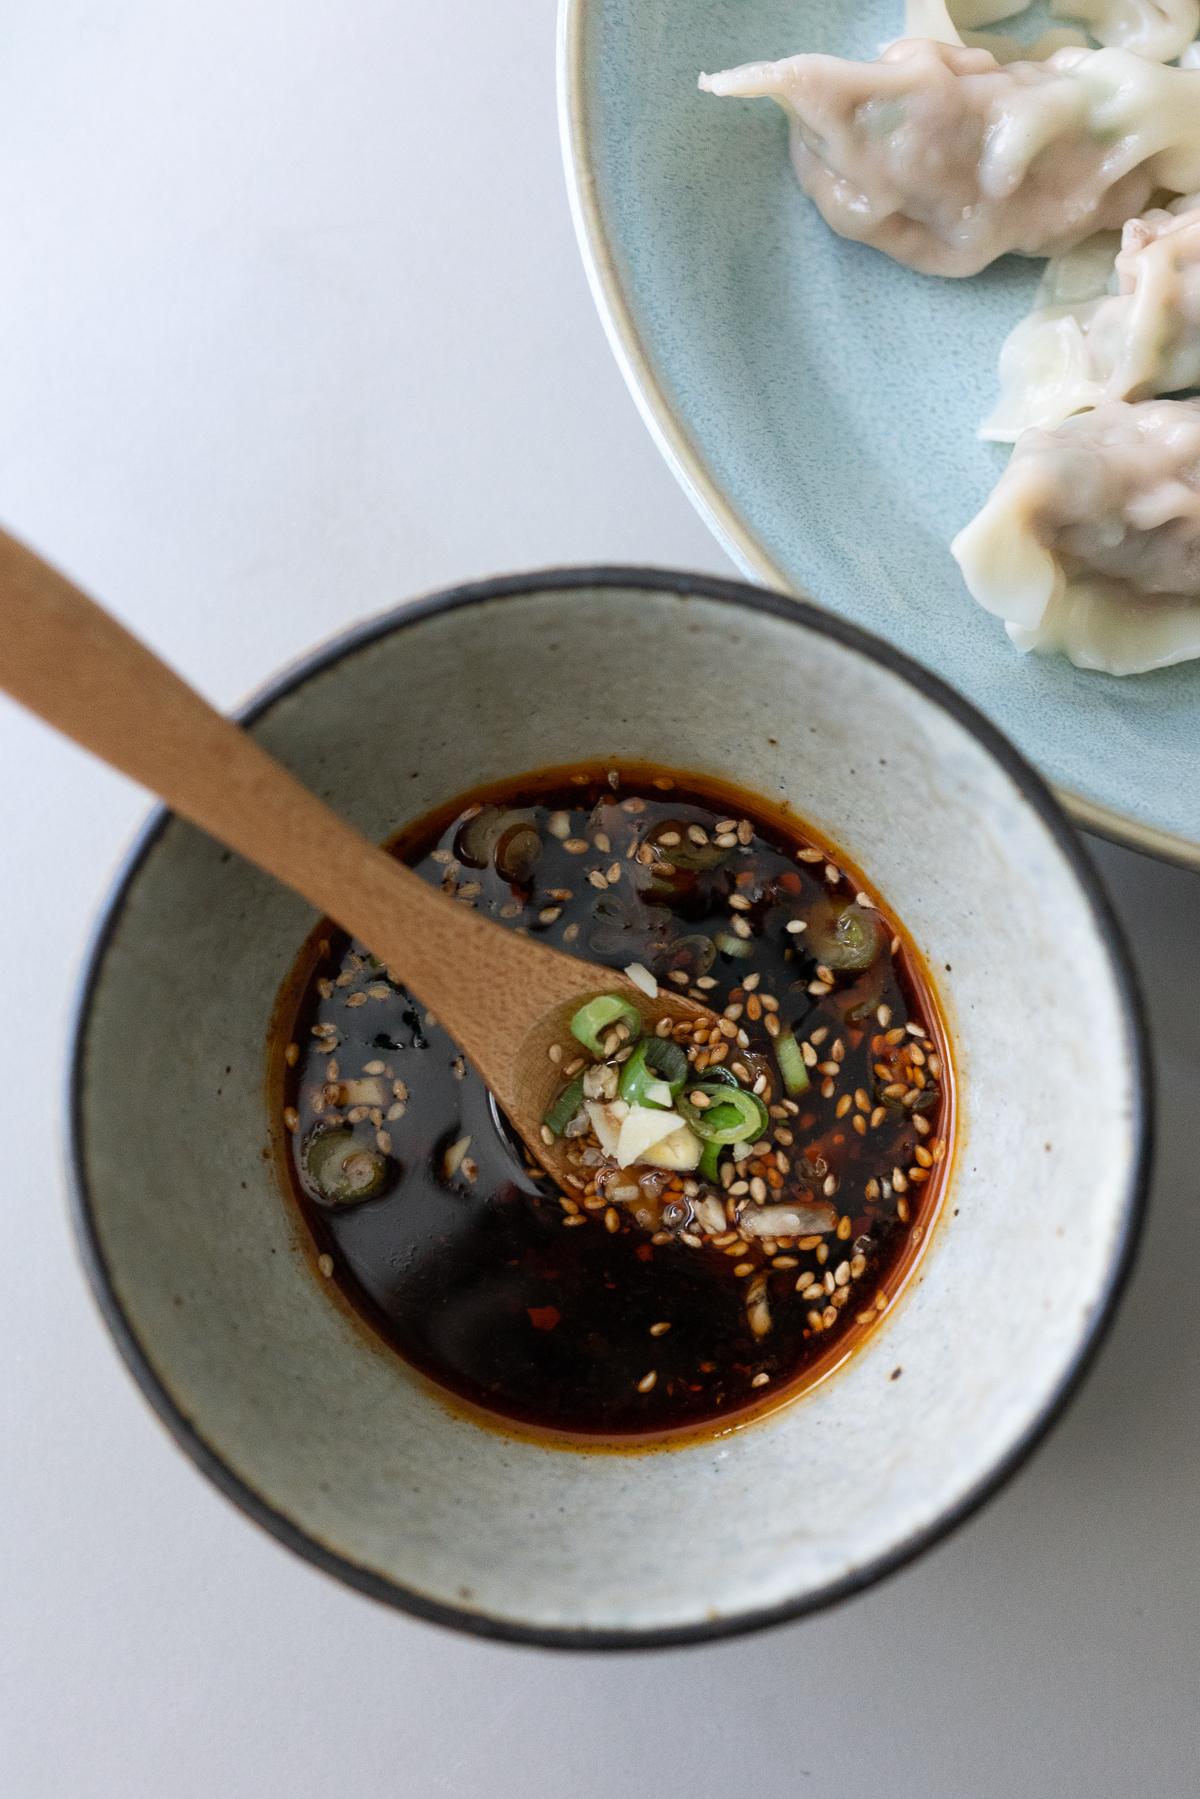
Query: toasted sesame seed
{"x": 739, "y": 926}
{"x": 738, "y": 902}
{"x": 829, "y": 1316}
{"x": 760, "y": 1379}
{"x": 661, "y": 1328}
{"x": 646, "y": 1384}
{"x": 291, "y": 1118}
{"x": 325, "y": 1264}
{"x": 843, "y": 1106}
{"x": 546, "y": 1134}
{"x": 794, "y": 926}
{"x": 751, "y": 982}
{"x": 612, "y": 1220}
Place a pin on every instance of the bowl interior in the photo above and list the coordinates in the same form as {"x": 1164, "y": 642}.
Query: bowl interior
{"x": 819, "y": 401}
{"x": 285, "y": 1396}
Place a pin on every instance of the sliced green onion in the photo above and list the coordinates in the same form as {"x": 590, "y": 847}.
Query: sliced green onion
{"x": 710, "y": 1162}
{"x": 564, "y": 1108}
{"x": 592, "y": 1023}
{"x": 791, "y": 1063}
{"x": 733, "y": 1116}
{"x": 740, "y": 948}
{"x": 843, "y": 936}
{"x": 655, "y": 1061}
{"x": 342, "y": 1169}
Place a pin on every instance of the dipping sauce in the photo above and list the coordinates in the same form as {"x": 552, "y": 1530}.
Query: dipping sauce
{"x": 640, "y": 1301}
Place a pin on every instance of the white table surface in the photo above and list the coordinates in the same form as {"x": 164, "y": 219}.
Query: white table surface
{"x": 292, "y": 325}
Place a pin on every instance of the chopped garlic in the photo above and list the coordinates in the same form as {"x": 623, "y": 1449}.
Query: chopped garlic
{"x": 642, "y": 978}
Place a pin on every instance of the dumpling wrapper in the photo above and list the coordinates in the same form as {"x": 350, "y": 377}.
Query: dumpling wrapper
{"x": 1121, "y": 322}
{"x": 1158, "y": 29}
{"x": 1090, "y": 544}
{"x": 957, "y": 22}
{"x": 944, "y": 160}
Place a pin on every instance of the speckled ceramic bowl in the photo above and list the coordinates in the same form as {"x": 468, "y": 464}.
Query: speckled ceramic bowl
{"x": 328, "y": 1440}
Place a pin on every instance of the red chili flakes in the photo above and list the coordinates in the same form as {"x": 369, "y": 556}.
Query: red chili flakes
{"x": 543, "y": 1318}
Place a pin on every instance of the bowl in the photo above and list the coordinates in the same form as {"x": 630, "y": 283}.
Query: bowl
{"x": 286, "y": 1401}
{"x": 818, "y": 402}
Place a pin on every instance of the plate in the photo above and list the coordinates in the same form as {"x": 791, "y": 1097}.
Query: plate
{"x": 818, "y": 402}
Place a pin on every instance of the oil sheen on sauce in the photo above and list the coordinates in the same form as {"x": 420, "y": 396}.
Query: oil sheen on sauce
{"x": 480, "y": 1273}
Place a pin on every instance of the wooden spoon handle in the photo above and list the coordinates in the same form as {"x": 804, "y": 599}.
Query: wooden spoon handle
{"x": 68, "y": 660}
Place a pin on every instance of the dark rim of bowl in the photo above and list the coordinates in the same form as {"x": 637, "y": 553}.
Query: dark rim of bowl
{"x": 808, "y": 617}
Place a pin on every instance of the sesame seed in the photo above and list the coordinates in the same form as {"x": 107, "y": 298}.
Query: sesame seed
{"x": 612, "y": 1220}
{"x": 661, "y": 1328}
{"x": 794, "y": 926}
{"x": 325, "y": 1264}
{"x": 546, "y": 1134}
{"x": 646, "y": 1384}
{"x": 760, "y": 1379}
{"x": 291, "y": 1118}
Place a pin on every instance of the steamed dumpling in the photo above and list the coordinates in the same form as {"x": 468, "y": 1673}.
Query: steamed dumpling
{"x": 945, "y": 161}
{"x": 1160, "y": 29}
{"x": 957, "y": 22}
{"x": 946, "y": 20}
{"x": 1082, "y": 349}
{"x": 1090, "y": 544}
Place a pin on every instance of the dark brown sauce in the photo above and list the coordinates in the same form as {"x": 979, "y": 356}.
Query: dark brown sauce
{"x": 469, "y": 1265}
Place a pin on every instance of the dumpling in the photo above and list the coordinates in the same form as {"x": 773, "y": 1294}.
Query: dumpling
{"x": 1081, "y": 349}
{"x": 1090, "y": 544}
{"x": 955, "y": 23}
{"x": 946, "y": 20}
{"x": 1160, "y": 29}
{"x": 945, "y": 161}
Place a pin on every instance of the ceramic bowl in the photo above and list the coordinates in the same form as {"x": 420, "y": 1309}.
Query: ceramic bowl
{"x": 820, "y": 403}
{"x": 284, "y": 1399}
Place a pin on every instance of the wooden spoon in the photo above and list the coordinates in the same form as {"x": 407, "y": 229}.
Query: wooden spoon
{"x": 504, "y": 999}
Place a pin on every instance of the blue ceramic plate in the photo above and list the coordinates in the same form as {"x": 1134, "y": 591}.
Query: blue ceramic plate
{"x": 818, "y": 402}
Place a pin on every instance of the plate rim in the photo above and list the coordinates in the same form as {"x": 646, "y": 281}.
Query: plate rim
{"x": 681, "y": 455}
